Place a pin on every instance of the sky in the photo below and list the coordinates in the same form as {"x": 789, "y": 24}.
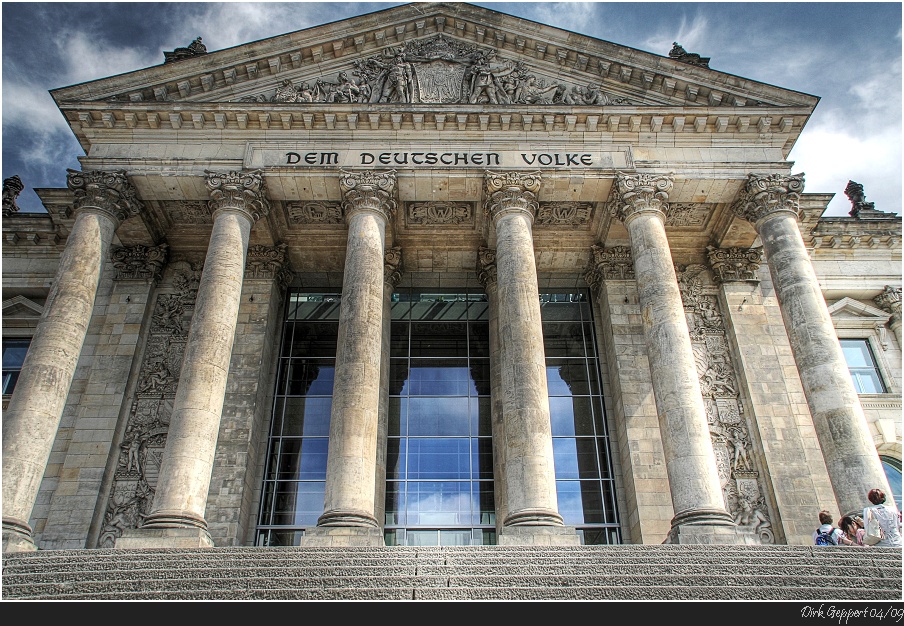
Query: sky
{"x": 846, "y": 53}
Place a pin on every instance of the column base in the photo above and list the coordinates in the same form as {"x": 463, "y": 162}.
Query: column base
{"x": 708, "y": 526}
{"x": 538, "y": 536}
{"x": 342, "y": 537}
{"x": 163, "y": 538}
{"x": 17, "y": 536}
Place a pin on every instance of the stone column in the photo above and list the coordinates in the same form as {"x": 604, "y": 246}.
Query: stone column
{"x": 348, "y": 517}
{"x": 486, "y": 274}
{"x": 102, "y": 201}
{"x": 700, "y": 513}
{"x": 890, "y": 302}
{"x": 771, "y": 203}
{"x": 530, "y": 483}
{"x": 237, "y": 200}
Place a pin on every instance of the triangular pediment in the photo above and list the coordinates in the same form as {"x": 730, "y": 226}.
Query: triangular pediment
{"x": 445, "y": 52}
{"x": 850, "y": 311}
{"x": 20, "y": 307}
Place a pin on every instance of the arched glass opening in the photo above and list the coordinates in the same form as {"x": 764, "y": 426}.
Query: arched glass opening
{"x": 892, "y": 469}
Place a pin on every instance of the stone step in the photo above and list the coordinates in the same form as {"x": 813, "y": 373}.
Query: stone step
{"x": 446, "y": 573}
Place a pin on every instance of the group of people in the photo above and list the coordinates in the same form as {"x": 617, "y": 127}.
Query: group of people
{"x": 852, "y": 528}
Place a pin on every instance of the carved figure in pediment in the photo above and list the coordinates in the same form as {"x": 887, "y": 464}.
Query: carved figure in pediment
{"x": 396, "y": 80}
{"x": 592, "y": 95}
{"x": 486, "y": 80}
{"x": 750, "y": 515}
{"x": 740, "y": 442}
{"x": 157, "y": 379}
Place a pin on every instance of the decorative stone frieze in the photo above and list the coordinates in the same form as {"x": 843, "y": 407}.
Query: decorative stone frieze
{"x": 109, "y": 192}
{"x": 238, "y": 191}
{"x": 766, "y": 194}
{"x": 641, "y": 193}
{"x": 392, "y": 266}
{"x": 564, "y": 214}
{"x": 511, "y": 191}
{"x": 729, "y": 432}
{"x": 690, "y": 215}
{"x": 437, "y": 70}
{"x": 189, "y": 212}
{"x": 12, "y": 187}
{"x": 486, "y": 266}
{"x": 439, "y": 213}
{"x": 269, "y": 262}
{"x": 139, "y": 262}
{"x": 734, "y": 264}
{"x": 314, "y": 212}
{"x": 368, "y": 191}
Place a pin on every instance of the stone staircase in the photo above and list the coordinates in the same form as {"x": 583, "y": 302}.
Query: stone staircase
{"x": 630, "y": 572}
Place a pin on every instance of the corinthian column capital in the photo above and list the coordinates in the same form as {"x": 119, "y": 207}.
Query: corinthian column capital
{"x": 109, "y": 193}
{"x": 890, "y": 301}
{"x": 508, "y": 192}
{"x": 244, "y": 192}
{"x": 368, "y": 191}
{"x": 767, "y": 194}
{"x": 641, "y": 193}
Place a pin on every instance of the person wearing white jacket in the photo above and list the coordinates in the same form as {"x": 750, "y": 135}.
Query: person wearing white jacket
{"x": 888, "y": 517}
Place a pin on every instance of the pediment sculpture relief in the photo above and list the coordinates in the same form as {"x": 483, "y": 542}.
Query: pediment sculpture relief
{"x": 438, "y": 71}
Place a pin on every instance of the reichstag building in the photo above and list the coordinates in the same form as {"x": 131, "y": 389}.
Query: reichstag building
{"x": 437, "y": 275}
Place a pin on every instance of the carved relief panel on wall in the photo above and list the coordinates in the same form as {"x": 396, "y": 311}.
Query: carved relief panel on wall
{"x": 141, "y": 450}
{"x": 729, "y": 432}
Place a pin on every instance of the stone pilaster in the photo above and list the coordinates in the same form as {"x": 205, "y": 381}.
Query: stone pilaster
{"x": 349, "y": 498}
{"x": 635, "y": 425}
{"x": 486, "y": 274}
{"x": 700, "y": 513}
{"x": 771, "y": 203}
{"x": 890, "y": 302}
{"x": 102, "y": 201}
{"x": 237, "y": 200}
{"x": 734, "y": 264}
{"x": 530, "y": 487}
{"x": 392, "y": 275}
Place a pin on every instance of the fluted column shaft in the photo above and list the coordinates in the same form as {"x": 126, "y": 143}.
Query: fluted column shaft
{"x": 690, "y": 461}
{"x": 771, "y": 203}
{"x": 102, "y": 201}
{"x": 354, "y": 419}
{"x": 530, "y": 485}
{"x": 237, "y": 200}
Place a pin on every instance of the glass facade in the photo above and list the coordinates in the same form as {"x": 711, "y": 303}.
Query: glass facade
{"x": 439, "y": 458}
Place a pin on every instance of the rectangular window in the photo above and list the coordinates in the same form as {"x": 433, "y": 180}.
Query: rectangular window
{"x": 862, "y": 365}
{"x": 13, "y": 355}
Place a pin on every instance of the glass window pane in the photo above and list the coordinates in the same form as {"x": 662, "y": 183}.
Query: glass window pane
{"x": 439, "y": 340}
{"x": 571, "y": 416}
{"x": 307, "y": 416}
{"x": 479, "y": 339}
{"x": 398, "y": 377}
{"x": 439, "y": 458}
{"x": 298, "y": 504}
{"x": 580, "y": 502}
{"x": 481, "y": 417}
{"x": 892, "y": 469}
{"x": 566, "y": 377}
{"x": 14, "y": 352}
{"x": 398, "y": 416}
{"x": 438, "y": 417}
{"x": 312, "y": 339}
{"x": 479, "y": 309}
{"x": 856, "y": 352}
{"x": 303, "y": 459}
{"x": 310, "y": 377}
{"x": 439, "y": 504}
{"x": 395, "y": 457}
{"x": 563, "y": 339}
{"x": 395, "y": 504}
{"x": 867, "y": 381}
{"x": 449, "y": 377}
{"x": 398, "y": 339}
{"x": 480, "y": 377}
{"x": 483, "y": 457}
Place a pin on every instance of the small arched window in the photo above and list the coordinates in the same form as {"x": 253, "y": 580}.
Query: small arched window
{"x": 892, "y": 469}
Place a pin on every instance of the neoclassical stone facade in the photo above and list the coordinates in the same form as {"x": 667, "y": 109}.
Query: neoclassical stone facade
{"x": 438, "y": 275}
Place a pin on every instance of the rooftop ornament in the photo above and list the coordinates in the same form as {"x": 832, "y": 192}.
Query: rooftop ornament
{"x": 861, "y": 209}
{"x": 680, "y": 54}
{"x": 194, "y": 49}
{"x": 12, "y": 187}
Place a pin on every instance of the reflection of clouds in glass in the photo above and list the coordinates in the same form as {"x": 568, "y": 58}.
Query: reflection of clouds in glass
{"x": 439, "y": 458}
{"x": 438, "y": 417}
{"x": 440, "y": 503}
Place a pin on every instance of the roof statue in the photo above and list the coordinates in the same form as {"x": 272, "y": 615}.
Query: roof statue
{"x": 12, "y": 187}
{"x": 194, "y": 49}
{"x": 680, "y": 54}
{"x": 861, "y": 209}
